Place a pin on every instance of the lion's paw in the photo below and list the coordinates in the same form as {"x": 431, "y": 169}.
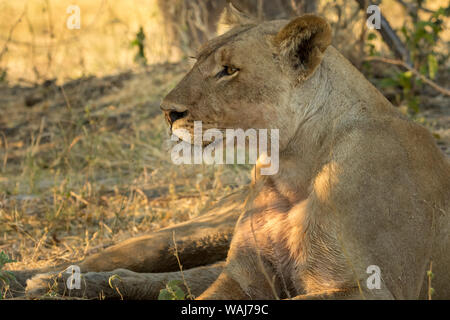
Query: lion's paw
{"x": 47, "y": 285}
{"x": 91, "y": 285}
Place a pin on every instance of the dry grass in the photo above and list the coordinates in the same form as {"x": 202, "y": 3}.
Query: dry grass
{"x": 42, "y": 47}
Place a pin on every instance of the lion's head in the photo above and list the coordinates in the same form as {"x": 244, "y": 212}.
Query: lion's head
{"x": 246, "y": 77}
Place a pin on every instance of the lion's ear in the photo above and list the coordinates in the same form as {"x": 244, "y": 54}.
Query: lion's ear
{"x": 234, "y": 16}
{"x": 302, "y": 42}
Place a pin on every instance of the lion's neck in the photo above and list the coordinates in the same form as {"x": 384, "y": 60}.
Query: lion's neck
{"x": 332, "y": 99}
{"x": 336, "y": 95}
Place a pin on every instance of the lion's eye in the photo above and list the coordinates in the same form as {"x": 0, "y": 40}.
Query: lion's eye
{"x": 226, "y": 71}
{"x": 231, "y": 70}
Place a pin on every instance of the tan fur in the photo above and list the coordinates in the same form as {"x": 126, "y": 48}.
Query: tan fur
{"x": 359, "y": 184}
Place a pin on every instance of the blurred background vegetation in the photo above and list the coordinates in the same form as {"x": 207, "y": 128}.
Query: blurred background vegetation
{"x": 83, "y": 162}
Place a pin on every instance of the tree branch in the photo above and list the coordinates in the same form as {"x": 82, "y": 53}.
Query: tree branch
{"x": 417, "y": 73}
{"x": 389, "y": 36}
{"x": 413, "y": 9}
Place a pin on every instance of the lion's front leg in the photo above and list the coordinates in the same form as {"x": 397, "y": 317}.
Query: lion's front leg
{"x": 246, "y": 276}
{"x": 354, "y": 293}
{"x": 224, "y": 288}
{"x": 121, "y": 283}
{"x": 201, "y": 241}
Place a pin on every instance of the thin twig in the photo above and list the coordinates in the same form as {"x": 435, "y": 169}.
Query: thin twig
{"x": 5, "y": 159}
{"x": 114, "y": 287}
{"x": 417, "y": 73}
{"x": 430, "y": 276}
{"x": 412, "y": 9}
{"x": 66, "y": 99}
{"x": 181, "y": 267}
{"x": 8, "y": 40}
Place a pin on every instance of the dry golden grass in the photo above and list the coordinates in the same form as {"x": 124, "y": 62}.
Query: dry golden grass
{"x": 42, "y": 47}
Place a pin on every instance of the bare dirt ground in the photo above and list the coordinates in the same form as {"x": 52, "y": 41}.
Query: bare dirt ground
{"x": 83, "y": 165}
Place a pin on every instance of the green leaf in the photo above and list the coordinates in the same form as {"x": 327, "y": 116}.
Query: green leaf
{"x": 174, "y": 283}
{"x": 179, "y": 294}
{"x": 413, "y": 104}
{"x": 432, "y": 291}
{"x": 4, "y": 259}
{"x": 10, "y": 275}
{"x": 404, "y": 79}
{"x": 437, "y": 136}
{"x": 388, "y": 82}
{"x": 164, "y": 294}
{"x": 371, "y": 36}
{"x": 172, "y": 291}
{"x": 432, "y": 66}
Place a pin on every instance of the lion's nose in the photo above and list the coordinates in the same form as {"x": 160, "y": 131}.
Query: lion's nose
{"x": 172, "y": 114}
{"x": 175, "y": 115}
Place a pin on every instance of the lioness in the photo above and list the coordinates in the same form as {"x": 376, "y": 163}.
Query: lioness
{"x": 359, "y": 185}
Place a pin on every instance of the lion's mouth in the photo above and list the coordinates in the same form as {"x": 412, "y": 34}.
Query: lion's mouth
{"x": 203, "y": 144}
{"x": 187, "y": 136}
